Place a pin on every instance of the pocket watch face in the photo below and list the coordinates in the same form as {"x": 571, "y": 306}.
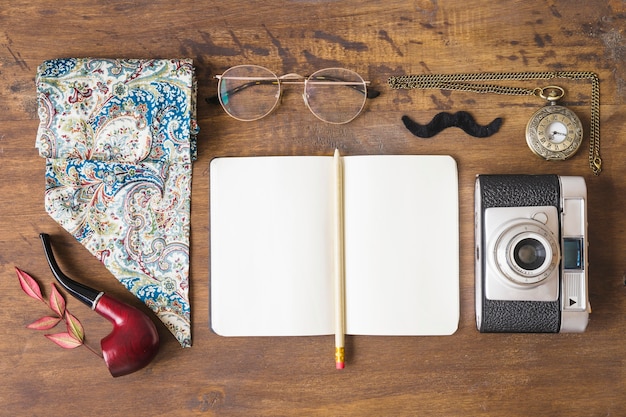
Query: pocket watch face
{"x": 554, "y": 132}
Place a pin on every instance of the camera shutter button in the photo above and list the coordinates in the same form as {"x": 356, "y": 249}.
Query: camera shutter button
{"x": 541, "y": 217}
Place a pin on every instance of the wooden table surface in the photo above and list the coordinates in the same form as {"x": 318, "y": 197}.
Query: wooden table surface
{"x": 467, "y": 373}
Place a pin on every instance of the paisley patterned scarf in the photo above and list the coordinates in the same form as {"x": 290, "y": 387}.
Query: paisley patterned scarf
{"x": 119, "y": 141}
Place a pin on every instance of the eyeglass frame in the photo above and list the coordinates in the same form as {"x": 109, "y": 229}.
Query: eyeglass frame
{"x": 290, "y": 78}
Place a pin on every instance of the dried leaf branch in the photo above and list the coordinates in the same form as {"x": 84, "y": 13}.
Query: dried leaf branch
{"x": 74, "y": 335}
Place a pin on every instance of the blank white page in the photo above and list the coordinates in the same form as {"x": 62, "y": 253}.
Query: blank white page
{"x": 401, "y": 245}
{"x": 271, "y": 246}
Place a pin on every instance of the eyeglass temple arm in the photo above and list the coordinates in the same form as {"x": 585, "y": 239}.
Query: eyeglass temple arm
{"x": 371, "y": 93}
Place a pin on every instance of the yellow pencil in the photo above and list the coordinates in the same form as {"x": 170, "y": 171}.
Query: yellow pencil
{"x": 339, "y": 266}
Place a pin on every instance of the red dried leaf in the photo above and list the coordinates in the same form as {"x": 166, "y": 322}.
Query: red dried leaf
{"x": 57, "y": 302}
{"x": 45, "y": 323}
{"x": 65, "y": 340}
{"x": 74, "y": 328}
{"x": 29, "y": 285}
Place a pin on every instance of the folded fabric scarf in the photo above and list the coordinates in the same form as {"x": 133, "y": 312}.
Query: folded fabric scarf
{"x": 119, "y": 141}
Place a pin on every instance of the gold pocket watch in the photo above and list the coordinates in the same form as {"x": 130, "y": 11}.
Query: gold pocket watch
{"x": 554, "y": 132}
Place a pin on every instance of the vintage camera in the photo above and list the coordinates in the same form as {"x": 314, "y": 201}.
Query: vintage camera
{"x": 531, "y": 253}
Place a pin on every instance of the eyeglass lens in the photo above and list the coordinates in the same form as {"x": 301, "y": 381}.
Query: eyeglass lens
{"x": 335, "y": 95}
{"x": 250, "y": 92}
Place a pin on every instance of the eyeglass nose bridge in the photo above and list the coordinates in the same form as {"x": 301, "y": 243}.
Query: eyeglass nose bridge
{"x": 294, "y": 79}
{"x": 291, "y": 78}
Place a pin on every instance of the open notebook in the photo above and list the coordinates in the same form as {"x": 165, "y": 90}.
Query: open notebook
{"x": 272, "y": 245}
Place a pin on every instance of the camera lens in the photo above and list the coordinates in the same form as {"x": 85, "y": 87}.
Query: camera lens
{"x": 524, "y": 252}
{"x": 529, "y": 254}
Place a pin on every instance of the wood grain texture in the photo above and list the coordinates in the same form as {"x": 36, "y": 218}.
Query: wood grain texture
{"x": 465, "y": 374}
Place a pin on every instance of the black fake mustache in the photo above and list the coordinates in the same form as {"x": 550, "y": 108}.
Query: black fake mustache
{"x": 444, "y": 120}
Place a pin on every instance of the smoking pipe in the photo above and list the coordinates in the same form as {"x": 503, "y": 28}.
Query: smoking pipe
{"x": 134, "y": 340}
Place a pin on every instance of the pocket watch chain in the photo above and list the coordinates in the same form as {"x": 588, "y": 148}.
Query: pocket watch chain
{"x": 473, "y": 83}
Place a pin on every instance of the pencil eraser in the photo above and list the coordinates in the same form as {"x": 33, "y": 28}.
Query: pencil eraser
{"x": 340, "y": 365}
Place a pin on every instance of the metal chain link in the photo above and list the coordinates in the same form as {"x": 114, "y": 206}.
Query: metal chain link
{"x": 474, "y": 83}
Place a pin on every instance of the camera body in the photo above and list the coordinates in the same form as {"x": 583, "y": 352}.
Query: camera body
{"x": 531, "y": 254}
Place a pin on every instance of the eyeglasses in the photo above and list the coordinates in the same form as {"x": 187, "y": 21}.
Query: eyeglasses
{"x": 333, "y": 95}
